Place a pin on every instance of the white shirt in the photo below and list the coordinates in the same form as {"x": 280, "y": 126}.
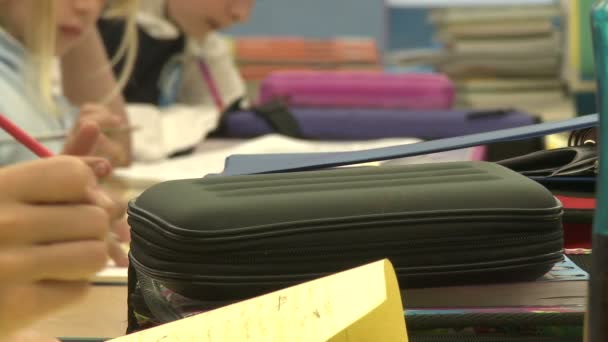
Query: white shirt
{"x": 187, "y": 121}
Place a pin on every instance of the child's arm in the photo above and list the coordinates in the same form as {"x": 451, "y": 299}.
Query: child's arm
{"x": 53, "y": 228}
{"x": 87, "y": 77}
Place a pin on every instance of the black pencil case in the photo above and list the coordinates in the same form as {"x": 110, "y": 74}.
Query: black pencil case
{"x": 231, "y": 238}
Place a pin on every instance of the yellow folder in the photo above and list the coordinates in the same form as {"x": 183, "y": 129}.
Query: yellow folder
{"x": 362, "y": 304}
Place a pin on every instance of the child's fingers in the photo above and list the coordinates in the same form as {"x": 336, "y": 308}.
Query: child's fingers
{"x": 23, "y": 304}
{"x": 52, "y": 180}
{"x": 116, "y": 209}
{"x": 100, "y": 166}
{"x": 120, "y": 234}
{"x": 83, "y": 139}
{"x": 117, "y": 253}
{"x": 104, "y": 119}
{"x": 111, "y": 150}
{"x": 23, "y": 225}
{"x": 69, "y": 261}
{"x": 122, "y": 230}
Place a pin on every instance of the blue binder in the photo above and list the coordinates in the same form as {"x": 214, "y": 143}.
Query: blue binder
{"x": 274, "y": 163}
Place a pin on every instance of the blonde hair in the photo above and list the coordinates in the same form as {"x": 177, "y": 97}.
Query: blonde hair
{"x": 40, "y": 42}
{"x": 128, "y": 47}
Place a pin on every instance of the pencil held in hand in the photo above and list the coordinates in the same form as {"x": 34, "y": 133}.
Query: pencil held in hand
{"x": 24, "y": 138}
{"x": 100, "y": 168}
{"x": 53, "y": 237}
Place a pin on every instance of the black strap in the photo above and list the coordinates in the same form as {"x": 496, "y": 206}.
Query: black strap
{"x": 276, "y": 114}
{"x": 279, "y": 118}
{"x": 567, "y": 161}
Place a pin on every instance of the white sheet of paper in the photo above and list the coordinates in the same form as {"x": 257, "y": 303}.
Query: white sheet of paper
{"x": 209, "y": 162}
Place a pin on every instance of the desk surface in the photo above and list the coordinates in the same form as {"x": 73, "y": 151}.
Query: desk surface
{"x": 103, "y": 313}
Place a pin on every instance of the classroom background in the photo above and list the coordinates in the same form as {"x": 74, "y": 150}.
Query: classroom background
{"x": 485, "y": 64}
{"x": 407, "y": 36}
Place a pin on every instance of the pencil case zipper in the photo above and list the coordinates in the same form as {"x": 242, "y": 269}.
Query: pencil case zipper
{"x": 446, "y": 245}
{"x": 149, "y": 221}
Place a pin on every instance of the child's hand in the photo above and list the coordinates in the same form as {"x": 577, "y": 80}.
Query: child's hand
{"x": 120, "y": 230}
{"x": 54, "y": 223}
{"x": 109, "y": 145}
{"x": 83, "y": 139}
{"x": 82, "y": 143}
{"x": 120, "y": 233}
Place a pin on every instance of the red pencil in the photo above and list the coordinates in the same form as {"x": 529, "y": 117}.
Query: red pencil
{"x": 24, "y": 138}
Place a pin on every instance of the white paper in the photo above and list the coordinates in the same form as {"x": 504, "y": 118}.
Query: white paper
{"x": 208, "y": 162}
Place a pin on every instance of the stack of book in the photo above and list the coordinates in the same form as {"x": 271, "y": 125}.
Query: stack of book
{"x": 579, "y": 66}
{"x": 502, "y": 55}
{"x": 257, "y": 57}
{"x": 551, "y": 308}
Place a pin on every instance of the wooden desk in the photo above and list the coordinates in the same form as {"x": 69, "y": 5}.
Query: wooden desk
{"x": 103, "y": 313}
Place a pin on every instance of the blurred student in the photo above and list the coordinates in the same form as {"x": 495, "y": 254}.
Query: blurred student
{"x": 33, "y": 35}
{"x": 184, "y": 77}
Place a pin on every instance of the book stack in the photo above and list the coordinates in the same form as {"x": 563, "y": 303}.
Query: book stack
{"x": 579, "y": 66}
{"x": 259, "y": 56}
{"x": 551, "y": 308}
{"x": 501, "y": 56}
{"x": 498, "y": 55}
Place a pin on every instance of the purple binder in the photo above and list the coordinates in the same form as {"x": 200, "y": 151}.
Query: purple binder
{"x": 361, "y": 124}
